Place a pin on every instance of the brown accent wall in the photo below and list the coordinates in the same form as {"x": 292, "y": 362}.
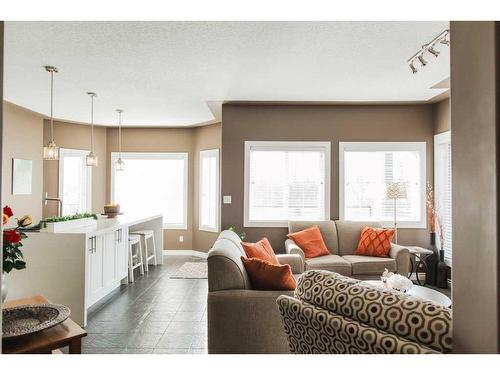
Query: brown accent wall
{"x": 475, "y": 111}
{"x": 442, "y": 116}
{"x": 22, "y": 139}
{"x": 302, "y": 122}
{"x": 75, "y": 136}
{"x": 205, "y": 138}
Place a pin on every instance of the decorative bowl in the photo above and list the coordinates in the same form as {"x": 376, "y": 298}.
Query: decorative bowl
{"x": 111, "y": 210}
{"x": 26, "y": 319}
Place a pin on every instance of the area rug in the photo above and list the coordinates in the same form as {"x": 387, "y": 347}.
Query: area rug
{"x": 191, "y": 270}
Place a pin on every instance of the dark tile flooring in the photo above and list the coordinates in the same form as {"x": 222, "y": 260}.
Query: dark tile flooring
{"x": 155, "y": 314}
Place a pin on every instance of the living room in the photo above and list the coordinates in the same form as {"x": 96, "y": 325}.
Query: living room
{"x": 249, "y": 187}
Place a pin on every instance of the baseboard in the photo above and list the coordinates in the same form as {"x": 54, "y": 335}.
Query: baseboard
{"x": 193, "y": 253}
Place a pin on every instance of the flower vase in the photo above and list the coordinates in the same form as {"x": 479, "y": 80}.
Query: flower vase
{"x": 432, "y": 261}
{"x": 5, "y": 287}
{"x": 442, "y": 272}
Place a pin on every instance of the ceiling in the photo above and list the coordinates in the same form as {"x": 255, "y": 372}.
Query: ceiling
{"x": 179, "y": 73}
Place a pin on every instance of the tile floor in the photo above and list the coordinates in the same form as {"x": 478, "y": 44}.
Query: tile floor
{"x": 155, "y": 314}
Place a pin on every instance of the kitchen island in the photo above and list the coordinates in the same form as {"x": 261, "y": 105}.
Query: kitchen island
{"x": 80, "y": 266}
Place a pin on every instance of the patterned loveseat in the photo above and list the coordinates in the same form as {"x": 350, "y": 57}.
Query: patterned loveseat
{"x": 331, "y": 313}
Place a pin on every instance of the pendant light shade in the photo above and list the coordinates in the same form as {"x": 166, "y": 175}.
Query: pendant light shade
{"x": 91, "y": 159}
{"x": 119, "y": 164}
{"x": 51, "y": 150}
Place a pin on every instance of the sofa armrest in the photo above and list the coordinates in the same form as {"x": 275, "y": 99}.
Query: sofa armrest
{"x": 402, "y": 256}
{"x": 292, "y": 248}
{"x": 294, "y": 260}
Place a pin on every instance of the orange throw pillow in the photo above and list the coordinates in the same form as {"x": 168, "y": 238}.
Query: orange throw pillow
{"x": 310, "y": 241}
{"x": 375, "y": 242}
{"x": 267, "y": 276}
{"x": 262, "y": 250}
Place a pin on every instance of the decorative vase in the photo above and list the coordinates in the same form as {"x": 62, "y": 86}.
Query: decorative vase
{"x": 5, "y": 287}
{"x": 442, "y": 272}
{"x": 432, "y": 261}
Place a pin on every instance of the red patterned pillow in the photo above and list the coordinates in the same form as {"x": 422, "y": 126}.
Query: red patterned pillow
{"x": 375, "y": 242}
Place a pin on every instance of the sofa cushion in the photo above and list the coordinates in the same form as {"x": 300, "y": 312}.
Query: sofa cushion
{"x": 363, "y": 265}
{"x": 375, "y": 242}
{"x": 334, "y": 263}
{"x": 267, "y": 276}
{"x": 310, "y": 241}
{"x": 261, "y": 249}
{"x": 327, "y": 229}
{"x": 349, "y": 233}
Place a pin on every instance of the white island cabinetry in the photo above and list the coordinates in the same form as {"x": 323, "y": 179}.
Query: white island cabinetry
{"x": 81, "y": 266}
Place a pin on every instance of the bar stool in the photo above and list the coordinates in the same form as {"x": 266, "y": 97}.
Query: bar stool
{"x": 135, "y": 259}
{"x": 147, "y": 235}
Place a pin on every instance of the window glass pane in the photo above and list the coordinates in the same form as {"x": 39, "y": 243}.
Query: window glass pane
{"x": 286, "y": 185}
{"x": 74, "y": 183}
{"x": 366, "y": 175}
{"x": 208, "y": 190}
{"x": 152, "y": 186}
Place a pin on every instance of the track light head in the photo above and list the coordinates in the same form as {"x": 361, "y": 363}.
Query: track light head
{"x": 412, "y": 67}
{"x": 422, "y": 61}
{"x": 433, "y": 51}
{"x": 445, "y": 41}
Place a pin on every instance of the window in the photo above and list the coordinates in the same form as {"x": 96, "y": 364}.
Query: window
{"x": 153, "y": 183}
{"x": 286, "y": 181}
{"x": 442, "y": 188}
{"x": 75, "y": 182}
{"x": 209, "y": 191}
{"x": 365, "y": 170}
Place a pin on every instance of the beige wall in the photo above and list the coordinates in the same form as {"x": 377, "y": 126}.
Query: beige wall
{"x": 75, "y": 136}
{"x": 475, "y": 111}
{"x": 268, "y": 122}
{"x": 22, "y": 139}
{"x": 442, "y": 116}
{"x": 205, "y": 138}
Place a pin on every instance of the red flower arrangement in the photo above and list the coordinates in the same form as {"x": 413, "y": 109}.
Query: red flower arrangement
{"x": 12, "y": 254}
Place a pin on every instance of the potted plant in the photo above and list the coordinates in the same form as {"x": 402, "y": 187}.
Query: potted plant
{"x": 12, "y": 243}
{"x": 442, "y": 267}
{"x": 430, "y": 275}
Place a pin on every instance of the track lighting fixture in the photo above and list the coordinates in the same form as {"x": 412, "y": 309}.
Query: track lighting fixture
{"x": 430, "y": 47}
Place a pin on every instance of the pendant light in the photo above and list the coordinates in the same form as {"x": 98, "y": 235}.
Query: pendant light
{"x": 120, "y": 164}
{"x": 51, "y": 151}
{"x": 91, "y": 159}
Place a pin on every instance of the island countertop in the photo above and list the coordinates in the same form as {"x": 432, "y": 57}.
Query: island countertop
{"x": 104, "y": 224}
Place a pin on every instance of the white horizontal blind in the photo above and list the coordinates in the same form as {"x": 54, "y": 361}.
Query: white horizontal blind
{"x": 286, "y": 182}
{"x": 209, "y": 190}
{"x": 367, "y": 169}
{"x": 153, "y": 183}
{"x": 442, "y": 183}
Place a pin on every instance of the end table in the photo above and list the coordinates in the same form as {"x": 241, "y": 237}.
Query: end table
{"x": 421, "y": 255}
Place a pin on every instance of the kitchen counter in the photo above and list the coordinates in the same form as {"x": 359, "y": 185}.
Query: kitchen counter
{"x": 80, "y": 266}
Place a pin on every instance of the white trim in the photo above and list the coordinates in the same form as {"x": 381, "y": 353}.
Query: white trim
{"x": 74, "y": 152}
{"x": 421, "y": 147}
{"x": 284, "y": 145}
{"x": 439, "y": 139}
{"x": 209, "y": 153}
{"x": 162, "y": 156}
{"x": 192, "y": 253}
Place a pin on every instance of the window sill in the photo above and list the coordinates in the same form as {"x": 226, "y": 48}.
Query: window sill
{"x": 211, "y": 230}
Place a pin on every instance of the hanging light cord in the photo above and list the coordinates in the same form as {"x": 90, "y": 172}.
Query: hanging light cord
{"x": 92, "y": 123}
{"x": 119, "y": 135}
{"x": 52, "y": 106}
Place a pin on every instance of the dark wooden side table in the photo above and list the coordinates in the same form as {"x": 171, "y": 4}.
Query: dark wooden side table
{"x": 68, "y": 333}
{"x": 421, "y": 256}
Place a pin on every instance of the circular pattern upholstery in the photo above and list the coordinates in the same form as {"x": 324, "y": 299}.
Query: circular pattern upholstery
{"x": 394, "y": 314}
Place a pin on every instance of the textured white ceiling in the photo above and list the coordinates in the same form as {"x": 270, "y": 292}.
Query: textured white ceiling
{"x": 178, "y": 73}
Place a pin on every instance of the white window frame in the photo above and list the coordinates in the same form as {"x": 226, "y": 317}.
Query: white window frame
{"x": 74, "y": 152}
{"x": 209, "y": 153}
{"x": 156, "y": 155}
{"x": 439, "y": 139}
{"x": 283, "y": 145}
{"x": 420, "y": 147}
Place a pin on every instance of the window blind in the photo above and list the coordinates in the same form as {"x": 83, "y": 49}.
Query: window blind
{"x": 443, "y": 192}
{"x": 209, "y": 190}
{"x": 286, "y": 183}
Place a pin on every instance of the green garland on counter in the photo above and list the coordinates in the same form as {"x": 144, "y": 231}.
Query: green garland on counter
{"x": 57, "y": 219}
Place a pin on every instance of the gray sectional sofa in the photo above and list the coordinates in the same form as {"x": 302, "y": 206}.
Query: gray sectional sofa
{"x": 341, "y": 238}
